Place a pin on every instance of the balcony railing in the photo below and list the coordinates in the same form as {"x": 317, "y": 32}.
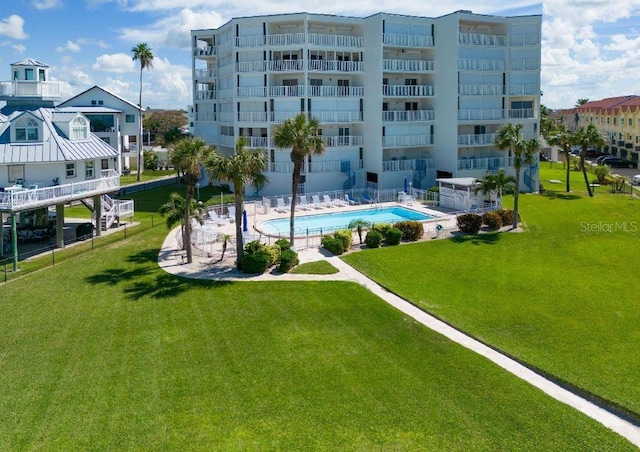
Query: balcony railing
{"x": 251, "y": 41}
{"x": 285, "y": 39}
{"x": 466, "y": 64}
{"x": 335, "y": 91}
{"x": 108, "y": 181}
{"x": 474, "y": 115}
{"x": 206, "y": 95}
{"x": 406, "y": 164}
{"x": 285, "y": 91}
{"x": 205, "y": 73}
{"x": 227, "y": 140}
{"x": 481, "y": 90}
{"x": 337, "y": 116}
{"x": 251, "y": 91}
{"x": 205, "y": 116}
{"x": 407, "y": 115}
{"x": 204, "y": 51}
{"x": 477, "y": 139}
{"x": 530, "y": 64}
{"x": 407, "y": 90}
{"x": 252, "y": 116}
{"x": 328, "y": 166}
{"x": 522, "y": 113}
{"x": 226, "y": 93}
{"x": 251, "y": 66}
{"x": 407, "y": 140}
{"x": 281, "y": 116}
{"x": 29, "y": 88}
{"x": 335, "y": 66}
{"x": 524, "y": 40}
{"x": 487, "y": 163}
{"x": 407, "y": 40}
{"x": 529, "y": 89}
{"x": 335, "y": 40}
{"x": 407, "y": 65}
{"x": 285, "y": 65}
{"x": 481, "y": 39}
{"x": 343, "y": 141}
{"x": 257, "y": 142}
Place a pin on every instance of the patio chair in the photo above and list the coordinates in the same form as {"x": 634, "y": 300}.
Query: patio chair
{"x": 349, "y": 200}
{"x": 366, "y": 198}
{"x": 304, "y": 203}
{"x": 316, "y": 202}
{"x": 231, "y": 212}
{"x": 333, "y": 202}
{"x": 213, "y": 218}
{"x": 280, "y": 206}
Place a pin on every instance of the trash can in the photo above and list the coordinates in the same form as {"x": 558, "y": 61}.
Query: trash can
{"x": 84, "y": 231}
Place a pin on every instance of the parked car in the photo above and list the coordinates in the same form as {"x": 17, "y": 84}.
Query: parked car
{"x": 635, "y": 180}
{"x": 602, "y": 157}
{"x": 618, "y": 162}
{"x": 594, "y": 153}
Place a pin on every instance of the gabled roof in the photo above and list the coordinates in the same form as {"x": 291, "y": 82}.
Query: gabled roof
{"x": 67, "y": 102}
{"x": 59, "y": 116}
{"x": 92, "y": 109}
{"x": 30, "y": 62}
{"x": 55, "y": 147}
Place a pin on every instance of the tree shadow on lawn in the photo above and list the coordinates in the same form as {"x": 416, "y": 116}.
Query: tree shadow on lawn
{"x": 166, "y": 285}
{"x": 144, "y": 256}
{"x": 561, "y": 195}
{"x": 488, "y": 238}
{"x": 116, "y": 275}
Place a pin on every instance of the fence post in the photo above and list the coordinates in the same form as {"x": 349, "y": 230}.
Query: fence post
{"x": 92, "y": 243}
{"x": 53, "y": 255}
{"x": 125, "y": 231}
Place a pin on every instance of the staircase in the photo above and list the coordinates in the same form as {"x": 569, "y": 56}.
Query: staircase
{"x": 529, "y": 181}
{"x": 112, "y": 210}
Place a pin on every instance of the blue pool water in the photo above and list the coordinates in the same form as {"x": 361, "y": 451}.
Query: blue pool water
{"x": 329, "y": 222}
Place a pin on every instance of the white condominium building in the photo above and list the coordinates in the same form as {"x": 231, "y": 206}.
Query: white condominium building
{"x": 397, "y": 97}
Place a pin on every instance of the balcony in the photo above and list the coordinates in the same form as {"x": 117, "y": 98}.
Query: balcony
{"x": 281, "y": 116}
{"x": 251, "y": 66}
{"x": 252, "y": 116}
{"x": 407, "y": 165}
{"x": 524, "y": 40}
{"x": 201, "y": 74}
{"x": 407, "y": 115}
{"x": 343, "y": 141}
{"x": 285, "y": 65}
{"x": 485, "y": 115}
{"x": 389, "y": 65}
{"x": 285, "y": 39}
{"x": 204, "y": 51}
{"x": 481, "y": 39}
{"x": 335, "y": 91}
{"x": 530, "y": 64}
{"x": 287, "y": 91}
{"x": 335, "y": 40}
{"x": 257, "y": 142}
{"x": 251, "y": 91}
{"x": 522, "y": 113}
{"x": 484, "y": 139}
{"x": 206, "y": 95}
{"x": 481, "y": 90}
{"x": 488, "y": 163}
{"x": 407, "y": 90}
{"x": 465, "y": 64}
{"x": 251, "y": 41}
{"x": 20, "y": 200}
{"x": 335, "y": 66}
{"x": 397, "y": 141}
{"x": 337, "y": 116}
{"x": 398, "y": 40}
{"x": 529, "y": 89}
{"x": 205, "y": 116}
{"x": 328, "y": 166}
{"x": 30, "y": 88}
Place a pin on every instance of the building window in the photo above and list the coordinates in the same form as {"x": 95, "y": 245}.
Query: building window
{"x": 130, "y": 118}
{"x": 27, "y": 130}
{"x": 106, "y": 140}
{"x": 104, "y": 164}
{"x": 71, "y": 170}
{"x": 16, "y": 172}
{"x": 29, "y": 74}
{"x": 41, "y": 75}
{"x": 101, "y": 123}
{"x": 94, "y": 102}
{"x": 630, "y": 121}
{"x": 89, "y": 169}
{"x": 79, "y": 129}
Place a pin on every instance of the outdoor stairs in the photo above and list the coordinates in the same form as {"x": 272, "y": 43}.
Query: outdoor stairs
{"x": 107, "y": 217}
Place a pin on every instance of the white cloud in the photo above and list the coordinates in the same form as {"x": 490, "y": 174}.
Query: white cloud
{"x": 118, "y": 62}
{"x": 12, "y": 27}
{"x": 121, "y": 88}
{"x": 70, "y": 46}
{"x": 18, "y": 49}
{"x": 46, "y": 4}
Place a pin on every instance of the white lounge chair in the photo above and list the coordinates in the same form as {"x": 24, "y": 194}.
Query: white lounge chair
{"x": 316, "y": 202}
{"x": 232, "y": 213}
{"x": 281, "y": 207}
{"x": 336, "y": 202}
{"x": 304, "y": 204}
{"x": 213, "y": 218}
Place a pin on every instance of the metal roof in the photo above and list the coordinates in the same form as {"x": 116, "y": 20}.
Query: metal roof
{"x": 89, "y": 110}
{"x": 30, "y": 62}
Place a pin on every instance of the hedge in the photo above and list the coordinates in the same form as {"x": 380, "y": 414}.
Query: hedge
{"x": 373, "y": 239}
{"x": 469, "y": 223}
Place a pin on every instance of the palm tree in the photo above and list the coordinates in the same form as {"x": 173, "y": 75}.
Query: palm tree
{"x": 585, "y": 137}
{"x": 225, "y": 240}
{"x": 486, "y": 185}
{"x": 303, "y": 136}
{"x": 174, "y": 210}
{"x": 359, "y": 225}
{"x": 581, "y": 102}
{"x": 187, "y": 156}
{"x": 564, "y": 139}
{"x": 143, "y": 53}
{"x": 241, "y": 169}
{"x": 504, "y": 184}
{"x": 522, "y": 152}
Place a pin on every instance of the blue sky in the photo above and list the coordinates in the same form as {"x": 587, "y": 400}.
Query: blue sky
{"x": 591, "y": 48}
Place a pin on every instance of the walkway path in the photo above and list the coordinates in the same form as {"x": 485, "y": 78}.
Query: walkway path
{"x": 205, "y": 267}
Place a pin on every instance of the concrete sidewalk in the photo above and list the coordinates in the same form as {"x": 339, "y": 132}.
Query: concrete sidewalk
{"x": 205, "y": 267}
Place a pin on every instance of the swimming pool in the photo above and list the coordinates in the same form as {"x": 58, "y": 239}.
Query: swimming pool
{"x": 329, "y": 222}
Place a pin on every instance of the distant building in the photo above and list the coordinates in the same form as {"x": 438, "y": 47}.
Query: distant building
{"x": 397, "y": 97}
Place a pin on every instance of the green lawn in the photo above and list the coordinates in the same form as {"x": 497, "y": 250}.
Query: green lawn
{"x": 562, "y": 296}
{"x": 146, "y": 176}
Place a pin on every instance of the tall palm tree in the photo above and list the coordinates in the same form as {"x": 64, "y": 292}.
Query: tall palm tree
{"x": 359, "y": 224}
{"x": 504, "y": 184}
{"x": 174, "y": 210}
{"x": 581, "y": 102}
{"x": 187, "y": 156}
{"x": 585, "y": 137}
{"x": 241, "y": 169}
{"x": 304, "y": 138}
{"x": 142, "y": 53}
{"x": 564, "y": 139}
{"x": 521, "y": 151}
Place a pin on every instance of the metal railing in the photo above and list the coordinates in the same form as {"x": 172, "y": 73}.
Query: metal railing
{"x": 407, "y": 90}
{"x": 467, "y": 64}
{"x": 29, "y": 88}
{"x": 524, "y": 40}
{"x": 408, "y": 115}
{"x": 407, "y": 65}
{"x": 481, "y": 39}
{"x": 406, "y": 165}
{"x": 251, "y": 91}
{"x": 480, "y": 90}
{"x": 407, "y": 40}
{"x": 477, "y": 139}
{"x": 473, "y": 115}
{"x": 335, "y": 40}
{"x": 407, "y": 140}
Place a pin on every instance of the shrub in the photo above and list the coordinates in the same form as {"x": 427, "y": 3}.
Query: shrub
{"x": 288, "y": 260}
{"x": 283, "y": 244}
{"x": 256, "y": 262}
{"x": 346, "y": 235}
{"x": 253, "y": 247}
{"x": 333, "y": 245}
{"x": 492, "y": 220}
{"x": 373, "y": 239}
{"x": 382, "y": 228}
{"x": 506, "y": 215}
{"x": 469, "y": 223}
{"x": 273, "y": 251}
{"x": 435, "y": 189}
{"x": 602, "y": 172}
{"x": 393, "y": 236}
{"x": 411, "y": 230}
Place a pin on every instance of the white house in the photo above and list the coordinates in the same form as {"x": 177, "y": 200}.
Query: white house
{"x": 396, "y": 96}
